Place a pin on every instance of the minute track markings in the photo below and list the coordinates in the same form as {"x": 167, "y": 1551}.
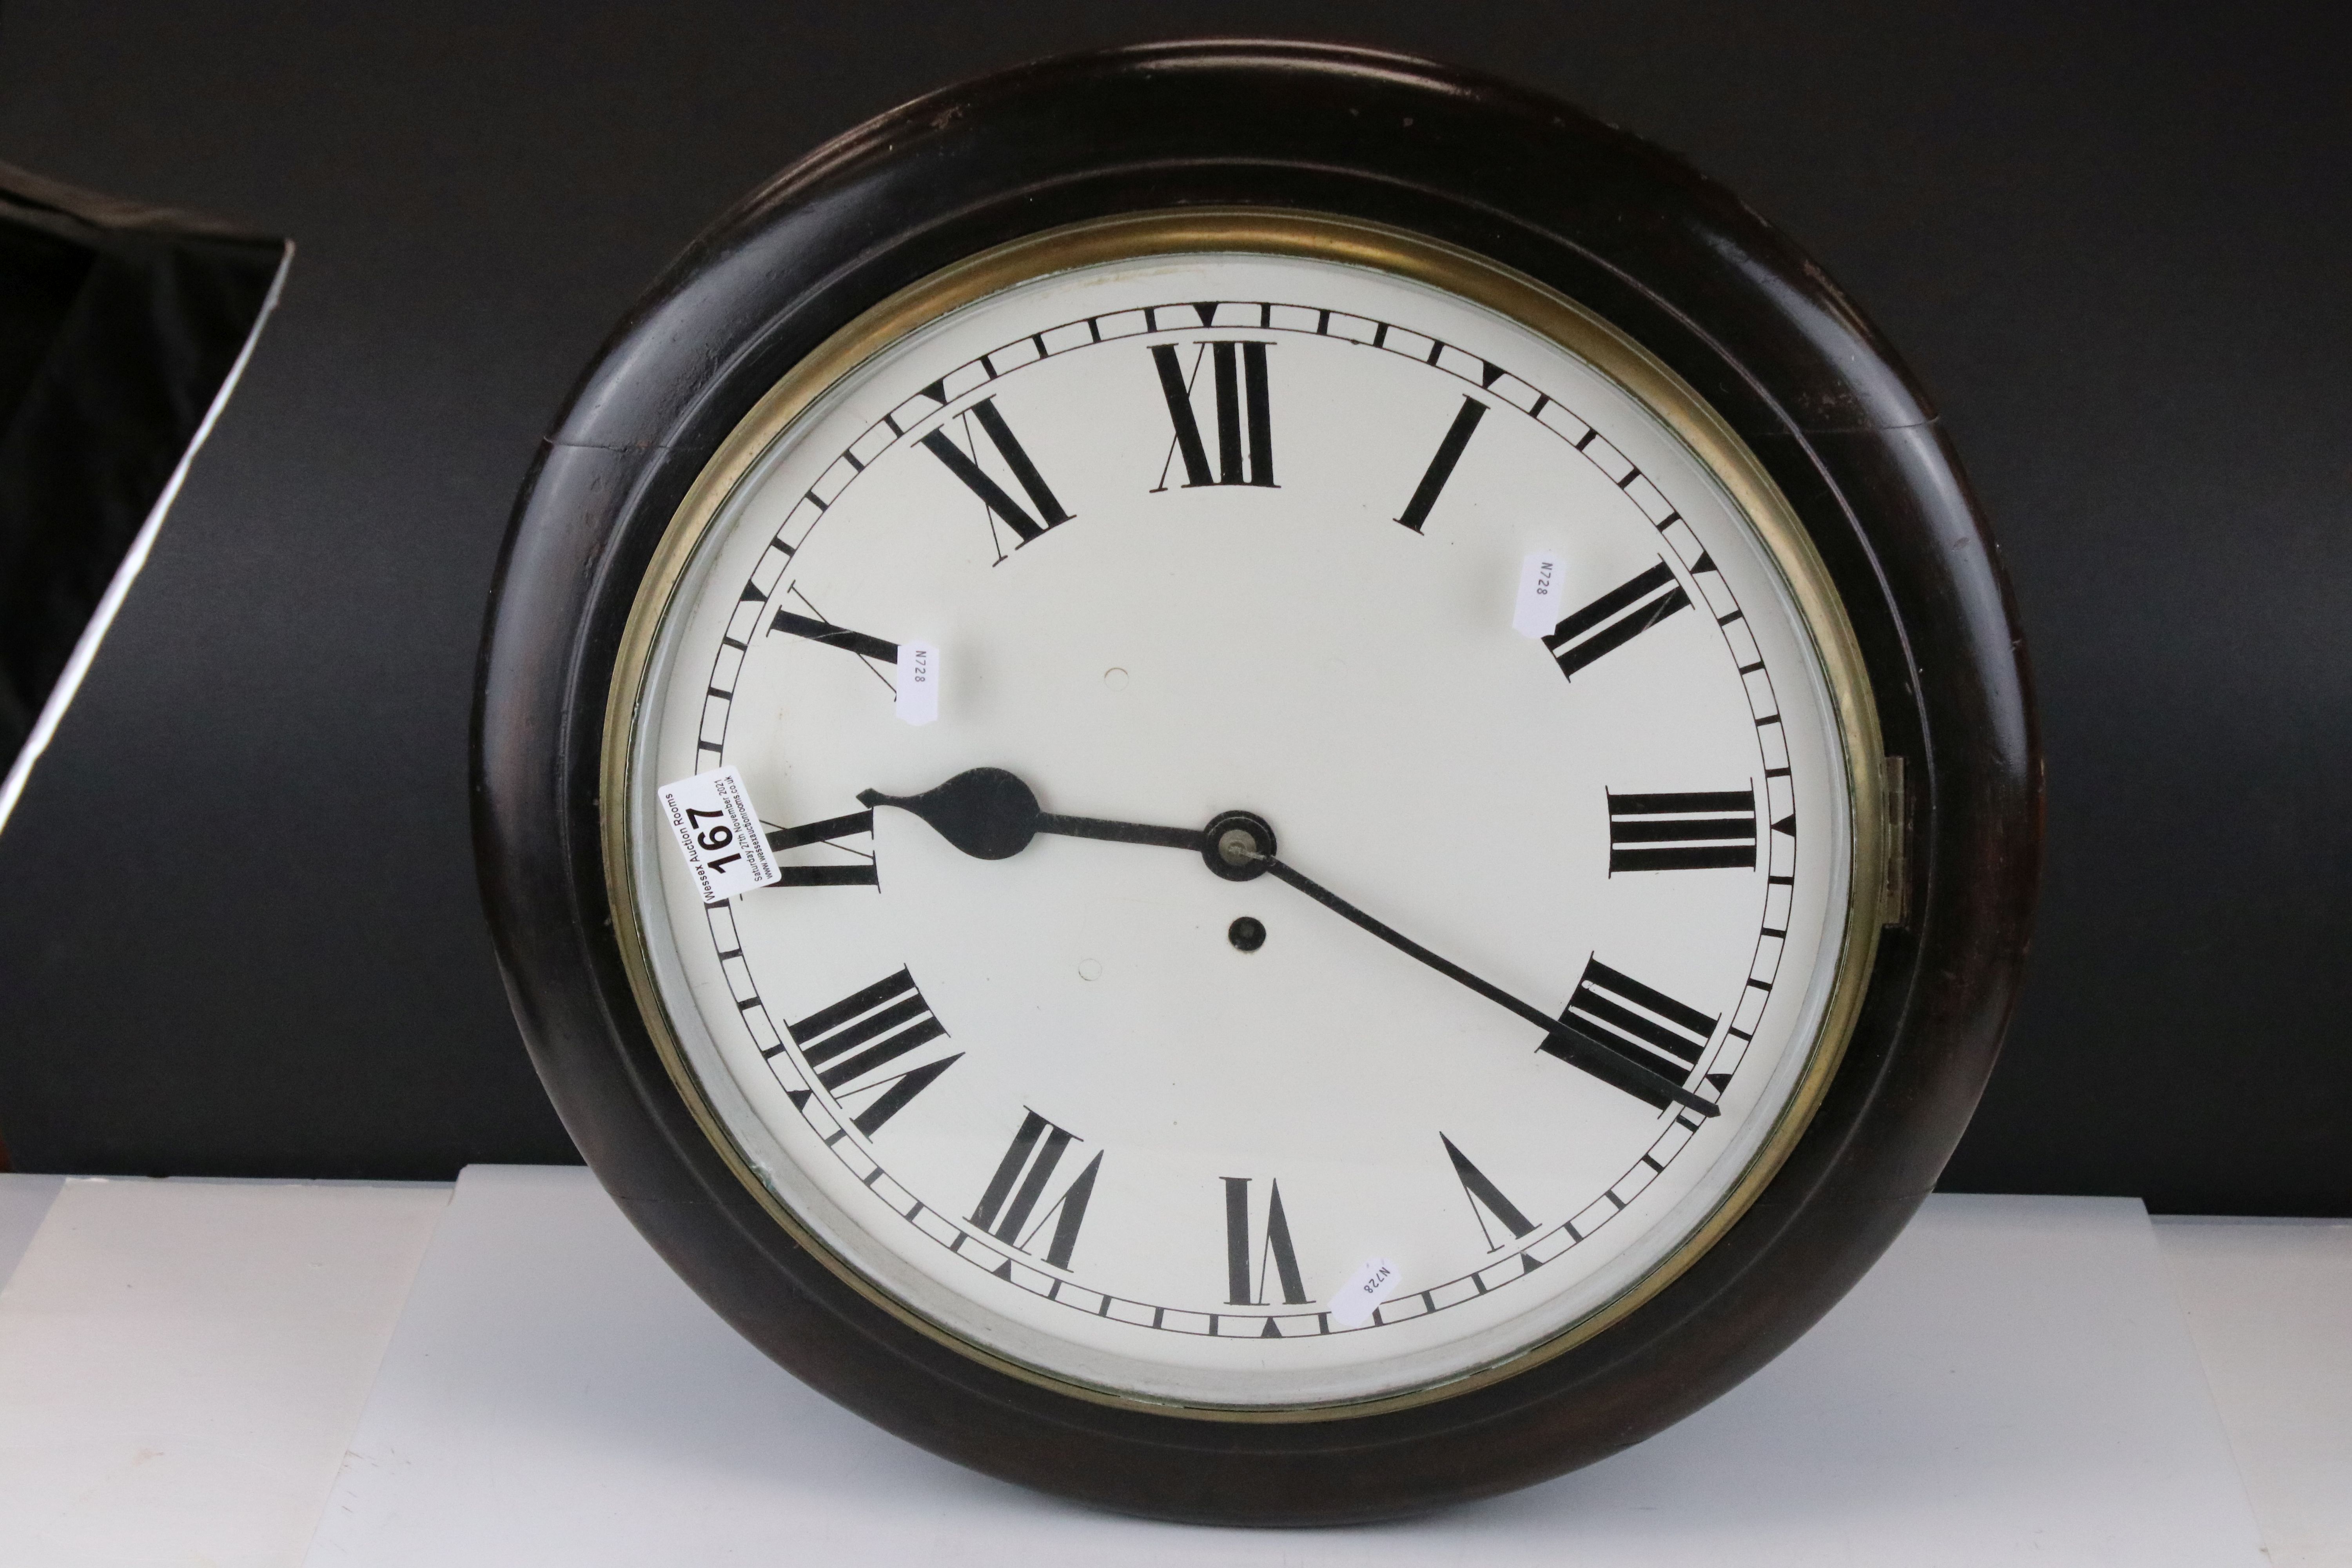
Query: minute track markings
{"x": 1305, "y": 320}
{"x": 1544, "y": 1245}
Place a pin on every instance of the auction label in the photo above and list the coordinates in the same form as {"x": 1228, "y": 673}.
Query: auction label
{"x": 919, "y": 682}
{"x": 1537, "y": 609}
{"x": 718, "y": 831}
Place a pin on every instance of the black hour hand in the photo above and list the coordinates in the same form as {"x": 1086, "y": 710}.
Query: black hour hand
{"x": 987, "y": 813}
{"x": 991, "y": 814}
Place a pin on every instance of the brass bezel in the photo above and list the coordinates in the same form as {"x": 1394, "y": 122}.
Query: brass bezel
{"x": 1295, "y": 234}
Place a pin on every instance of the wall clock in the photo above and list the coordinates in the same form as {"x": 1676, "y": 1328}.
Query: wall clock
{"x": 1256, "y": 782}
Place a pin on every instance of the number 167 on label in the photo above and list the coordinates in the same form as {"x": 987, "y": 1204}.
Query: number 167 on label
{"x": 718, "y": 831}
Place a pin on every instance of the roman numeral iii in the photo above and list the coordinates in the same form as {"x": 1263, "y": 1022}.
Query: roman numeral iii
{"x": 1616, "y": 619}
{"x": 1238, "y": 390}
{"x": 1020, "y": 1183}
{"x": 831, "y": 832}
{"x": 1649, "y": 1042}
{"x": 1246, "y": 1263}
{"x": 1682, "y": 832}
{"x": 993, "y": 495}
{"x": 866, "y": 1030}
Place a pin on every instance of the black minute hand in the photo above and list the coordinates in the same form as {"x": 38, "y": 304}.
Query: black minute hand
{"x": 1564, "y": 1040}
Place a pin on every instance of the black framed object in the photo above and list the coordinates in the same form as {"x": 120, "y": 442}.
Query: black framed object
{"x": 1453, "y": 192}
{"x": 122, "y": 328}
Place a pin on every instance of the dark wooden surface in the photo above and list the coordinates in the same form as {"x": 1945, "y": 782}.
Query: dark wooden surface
{"x": 1676, "y": 262}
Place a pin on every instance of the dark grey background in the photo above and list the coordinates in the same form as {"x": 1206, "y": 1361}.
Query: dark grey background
{"x": 2116, "y": 242}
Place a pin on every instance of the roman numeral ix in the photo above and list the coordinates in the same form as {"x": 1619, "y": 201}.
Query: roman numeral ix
{"x": 1247, "y": 1264}
{"x": 1237, "y": 377}
{"x": 1682, "y": 832}
{"x": 993, "y": 495}
{"x": 1004, "y": 1210}
{"x": 1647, "y": 1040}
{"x": 831, "y": 832}
{"x": 862, "y": 1032}
{"x": 1616, "y": 619}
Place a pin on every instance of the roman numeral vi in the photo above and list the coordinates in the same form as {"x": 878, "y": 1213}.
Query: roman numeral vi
{"x": 1245, "y": 1265}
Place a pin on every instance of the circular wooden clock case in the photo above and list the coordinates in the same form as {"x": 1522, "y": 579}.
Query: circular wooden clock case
{"x": 1399, "y": 792}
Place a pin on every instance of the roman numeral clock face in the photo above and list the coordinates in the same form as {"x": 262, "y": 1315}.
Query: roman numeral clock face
{"x": 1372, "y": 889}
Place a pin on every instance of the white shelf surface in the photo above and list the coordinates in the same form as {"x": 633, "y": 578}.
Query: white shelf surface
{"x": 183, "y": 1365}
{"x": 2270, "y": 1305}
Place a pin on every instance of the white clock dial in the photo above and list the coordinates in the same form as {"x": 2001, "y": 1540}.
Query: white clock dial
{"x": 1518, "y": 950}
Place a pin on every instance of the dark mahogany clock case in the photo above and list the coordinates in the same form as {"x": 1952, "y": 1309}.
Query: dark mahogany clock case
{"x": 1624, "y": 229}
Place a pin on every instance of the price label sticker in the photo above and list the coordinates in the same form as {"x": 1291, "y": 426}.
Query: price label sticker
{"x": 1541, "y": 579}
{"x": 1361, "y": 1295}
{"x": 919, "y": 682}
{"x": 718, "y": 832}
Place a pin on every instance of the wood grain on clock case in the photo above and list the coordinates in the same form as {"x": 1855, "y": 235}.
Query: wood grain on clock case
{"x": 1621, "y": 227}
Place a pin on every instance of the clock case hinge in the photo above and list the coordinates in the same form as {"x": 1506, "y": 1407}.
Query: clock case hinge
{"x": 1894, "y": 890}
